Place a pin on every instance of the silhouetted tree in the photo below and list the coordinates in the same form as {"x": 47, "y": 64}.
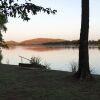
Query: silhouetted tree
{"x": 3, "y": 21}
{"x": 83, "y": 72}
{"x": 13, "y": 9}
{"x": 1, "y": 57}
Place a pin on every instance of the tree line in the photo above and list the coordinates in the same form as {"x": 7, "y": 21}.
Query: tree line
{"x": 73, "y": 42}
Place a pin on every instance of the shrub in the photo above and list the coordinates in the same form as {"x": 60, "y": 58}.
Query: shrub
{"x": 35, "y": 60}
{"x": 74, "y": 66}
{"x": 47, "y": 66}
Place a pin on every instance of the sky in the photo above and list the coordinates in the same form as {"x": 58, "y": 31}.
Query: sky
{"x": 65, "y": 24}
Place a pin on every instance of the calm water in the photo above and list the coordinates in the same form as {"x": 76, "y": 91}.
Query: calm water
{"x": 58, "y": 58}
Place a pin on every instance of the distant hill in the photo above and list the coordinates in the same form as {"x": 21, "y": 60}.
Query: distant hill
{"x": 11, "y": 43}
{"x": 40, "y": 41}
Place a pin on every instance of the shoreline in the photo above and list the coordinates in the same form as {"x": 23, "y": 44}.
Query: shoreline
{"x": 8, "y": 65}
{"x": 17, "y": 66}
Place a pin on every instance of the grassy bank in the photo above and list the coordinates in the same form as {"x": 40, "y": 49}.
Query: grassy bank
{"x": 27, "y": 84}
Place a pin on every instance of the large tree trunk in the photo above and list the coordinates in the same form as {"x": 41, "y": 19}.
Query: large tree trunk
{"x": 83, "y": 70}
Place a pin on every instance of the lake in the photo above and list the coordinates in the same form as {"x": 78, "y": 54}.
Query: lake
{"x": 58, "y": 58}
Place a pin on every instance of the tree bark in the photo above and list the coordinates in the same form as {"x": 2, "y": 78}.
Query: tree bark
{"x": 83, "y": 72}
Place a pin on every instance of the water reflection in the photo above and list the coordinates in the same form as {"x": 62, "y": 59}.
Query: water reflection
{"x": 51, "y": 47}
{"x": 59, "y": 58}
{"x": 41, "y": 48}
{"x": 11, "y": 47}
{"x": 44, "y": 48}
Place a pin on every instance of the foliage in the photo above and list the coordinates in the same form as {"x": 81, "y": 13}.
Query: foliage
{"x": 3, "y": 21}
{"x": 35, "y": 60}
{"x": 74, "y": 67}
{"x": 12, "y": 9}
{"x": 1, "y": 57}
{"x": 47, "y": 66}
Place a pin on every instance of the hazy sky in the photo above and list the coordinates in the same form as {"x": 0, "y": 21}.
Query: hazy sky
{"x": 64, "y": 24}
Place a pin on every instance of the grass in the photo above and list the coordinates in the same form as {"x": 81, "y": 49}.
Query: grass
{"x": 74, "y": 67}
{"x": 36, "y": 61}
{"x": 22, "y": 84}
